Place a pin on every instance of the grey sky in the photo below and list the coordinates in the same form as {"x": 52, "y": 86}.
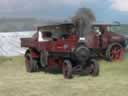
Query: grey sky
{"x": 63, "y": 8}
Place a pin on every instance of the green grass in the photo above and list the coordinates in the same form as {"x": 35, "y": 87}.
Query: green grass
{"x": 15, "y": 81}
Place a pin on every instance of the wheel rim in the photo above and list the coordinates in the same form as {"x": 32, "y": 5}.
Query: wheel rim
{"x": 117, "y": 53}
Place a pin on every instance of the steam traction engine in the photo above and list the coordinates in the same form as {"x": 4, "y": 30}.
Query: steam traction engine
{"x": 105, "y": 41}
{"x": 59, "y": 46}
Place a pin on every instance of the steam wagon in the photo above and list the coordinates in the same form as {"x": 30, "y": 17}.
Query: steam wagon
{"x": 105, "y": 41}
{"x": 61, "y": 46}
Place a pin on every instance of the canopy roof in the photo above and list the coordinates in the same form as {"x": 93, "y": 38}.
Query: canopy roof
{"x": 69, "y": 25}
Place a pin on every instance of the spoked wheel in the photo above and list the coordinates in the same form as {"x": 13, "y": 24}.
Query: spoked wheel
{"x": 95, "y": 69}
{"x": 115, "y": 52}
{"x": 67, "y": 69}
{"x": 31, "y": 63}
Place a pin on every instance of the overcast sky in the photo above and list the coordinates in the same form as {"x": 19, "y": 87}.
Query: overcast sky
{"x": 105, "y": 10}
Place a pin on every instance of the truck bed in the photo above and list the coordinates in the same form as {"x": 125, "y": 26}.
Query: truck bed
{"x": 28, "y": 42}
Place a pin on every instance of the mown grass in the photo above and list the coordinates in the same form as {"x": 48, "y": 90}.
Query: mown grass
{"x": 15, "y": 81}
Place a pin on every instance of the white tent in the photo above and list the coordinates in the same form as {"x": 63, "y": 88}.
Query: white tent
{"x": 10, "y": 42}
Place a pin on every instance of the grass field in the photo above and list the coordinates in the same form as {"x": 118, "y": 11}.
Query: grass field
{"x": 15, "y": 81}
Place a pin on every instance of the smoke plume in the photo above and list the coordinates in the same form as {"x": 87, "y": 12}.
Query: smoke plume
{"x": 83, "y": 20}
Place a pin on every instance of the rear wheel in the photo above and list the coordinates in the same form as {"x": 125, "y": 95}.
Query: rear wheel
{"x": 67, "y": 69}
{"x": 115, "y": 52}
{"x": 31, "y": 63}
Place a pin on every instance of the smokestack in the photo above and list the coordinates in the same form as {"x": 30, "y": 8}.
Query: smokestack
{"x": 83, "y": 20}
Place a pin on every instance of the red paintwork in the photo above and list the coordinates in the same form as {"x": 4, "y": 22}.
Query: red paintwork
{"x": 51, "y": 46}
{"x": 117, "y": 54}
{"x": 54, "y": 63}
{"x": 58, "y": 45}
{"x": 67, "y": 45}
{"x": 29, "y": 42}
{"x": 35, "y": 54}
{"x": 106, "y": 39}
{"x": 92, "y": 40}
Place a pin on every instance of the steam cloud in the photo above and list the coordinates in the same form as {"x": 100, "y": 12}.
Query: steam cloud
{"x": 83, "y": 20}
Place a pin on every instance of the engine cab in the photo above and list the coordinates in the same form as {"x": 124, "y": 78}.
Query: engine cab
{"x": 58, "y": 38}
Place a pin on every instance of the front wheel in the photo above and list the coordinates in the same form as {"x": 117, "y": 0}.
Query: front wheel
{"x": 94, "y": 68}
{"x": 115, "y": 52}
{"x": 67, "y": 69}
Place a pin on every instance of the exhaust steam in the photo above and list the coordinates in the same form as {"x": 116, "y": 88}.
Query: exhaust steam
{"x": 83, "y": 20}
